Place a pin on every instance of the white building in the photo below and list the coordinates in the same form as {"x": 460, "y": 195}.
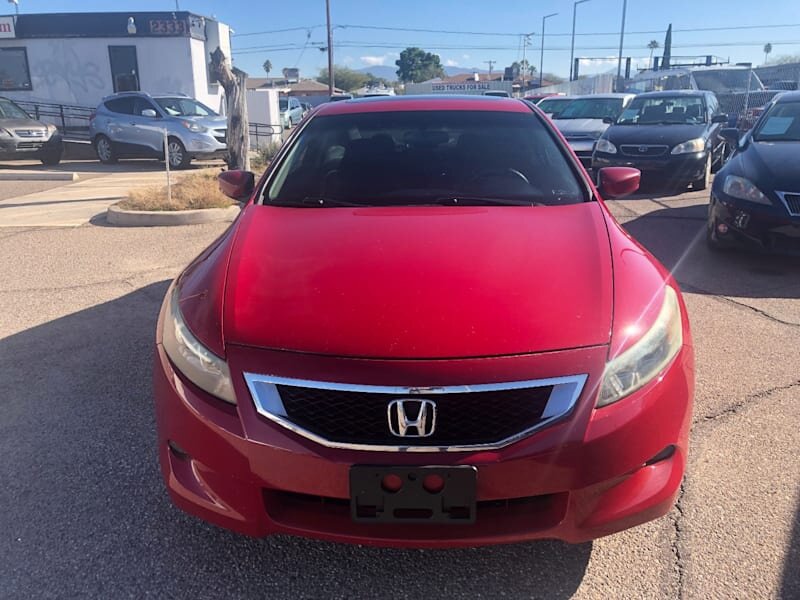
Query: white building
{"x": 79, "y": 58}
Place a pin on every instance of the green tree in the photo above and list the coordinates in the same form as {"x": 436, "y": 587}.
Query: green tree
{"x": 767, "y": 50}
{"x": 267, "y": 66}
{"x": 344, "y": 78}
{"x": 653, "y": 45}
{"x": 415, "y": 65}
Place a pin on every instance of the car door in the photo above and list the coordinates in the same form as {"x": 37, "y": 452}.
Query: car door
{"x": 117, "y": 125}
{"x": 295, "y": 110}
{"x": 147, "y": 132}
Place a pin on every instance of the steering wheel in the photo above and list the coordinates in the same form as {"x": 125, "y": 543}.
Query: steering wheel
{"x": 499, "y": 173}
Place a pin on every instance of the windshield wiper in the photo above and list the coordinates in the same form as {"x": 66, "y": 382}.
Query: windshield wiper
{"x": 317, "y": 201}
{"x": 459, "y": 200}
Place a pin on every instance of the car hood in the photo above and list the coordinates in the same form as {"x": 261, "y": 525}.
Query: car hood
{"x": 593, "y": 127}
{"x": 22, "y": 124}
{"x": 212, "y": 122}
{"x": 770, "y": 165}
{"x": 668, "y": 135}
{"x": 420, "y": 282}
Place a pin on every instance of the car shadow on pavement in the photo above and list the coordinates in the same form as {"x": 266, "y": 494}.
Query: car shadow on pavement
{"x": 676, "y": 236}
{"x": 790, "y": 582}
{"x": 85, "y": 513}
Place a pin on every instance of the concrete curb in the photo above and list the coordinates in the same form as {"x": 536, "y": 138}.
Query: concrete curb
{"x": 38, "y": 176}
{"x": 164, "y": 218}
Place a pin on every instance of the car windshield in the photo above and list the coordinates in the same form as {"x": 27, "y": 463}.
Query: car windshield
{"x": 9, "y": 110}
{"x": 592, "y": 108}
{"x": 184, "y": 107}
{"x": 664, "y": 110}
{"x": 551, "y": 105}
{"x": 726, "y": 81}
{"x": 283, "y": 103}
{"x": 780, "y": 124}
{"x": 425, "y": 157}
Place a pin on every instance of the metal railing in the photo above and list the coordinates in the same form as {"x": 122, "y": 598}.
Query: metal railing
{"x": 72, "y": 121}
{"x": 264, "y": 134}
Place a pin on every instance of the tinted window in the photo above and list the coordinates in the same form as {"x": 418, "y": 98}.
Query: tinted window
{"x": 283, "y": 103}
{"x": 551, "y": 105}
{"x": 9, "y": 110}
{"x": 592, "y": 108}
{"x": 184, "y": 107}
{"x": 14, "y": 73}
{"x": 425, "y": 157}
{"x": 726, "y": 81}
{"x": 664, "y": 109}
{"x": 780, "y": 124}
{"x": 121, "y": 105}
{"x": 140, "y": 104}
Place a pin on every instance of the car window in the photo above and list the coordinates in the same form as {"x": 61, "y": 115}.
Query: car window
{"x": 9, "y": 110}
{"x": 665, "y": 110}
{"x": 422, "y": 157}
{"x": 184, "y": 107}
{"x": 592, "y": 108}
{"x": 140, "y": 104}
{"x": 550, "y": 105}
{"x": 283, "y": 103}
{"x": 123, "y": 105}
{"x": 780, "y": 124}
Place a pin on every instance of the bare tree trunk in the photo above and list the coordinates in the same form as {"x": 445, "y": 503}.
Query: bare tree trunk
{"x": 234, "y": 82}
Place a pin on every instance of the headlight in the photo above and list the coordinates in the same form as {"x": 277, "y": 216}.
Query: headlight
{"x": 744, "y": 189}
{"x": 194, "y": 127}
{"x": 690, "y": 147}
{"x": 603, "y": 145}
{"x": 201, "y": 366}
{"x": 51, "y": 129}
{"x": 644, "y": 360}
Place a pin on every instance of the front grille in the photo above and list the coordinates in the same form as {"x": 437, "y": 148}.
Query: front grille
{"x": 642, "y": 150}
{"x": 30, "y": 133}
{"x": 792, "y": 203}
{"x": 466, "y": 417}
{"x": 29, "y": 145}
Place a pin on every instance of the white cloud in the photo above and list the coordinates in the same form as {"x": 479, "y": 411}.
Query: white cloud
{"x": 374, "y": 61}
{"x": 465, "y": 56}
{"x": 450, "y": 63}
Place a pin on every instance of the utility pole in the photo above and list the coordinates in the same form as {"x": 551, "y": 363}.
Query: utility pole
{"x": 572, "y": 47}
{"x": 330, "y": 48}
{"x": 621, "y": 41}
{"x": 525, "y": 39}
{"x": 491, "y": 64}
{"x": 177, "y": 5}
{"x": 541, "y": 56}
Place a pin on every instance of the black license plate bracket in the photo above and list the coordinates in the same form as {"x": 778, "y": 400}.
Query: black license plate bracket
{"x": 416, "y": 501}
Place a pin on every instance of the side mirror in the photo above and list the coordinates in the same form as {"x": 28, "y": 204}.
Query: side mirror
{"x": 236, "y": 184}
{"x": 616, "y": 182}
{"x": 149, "y": 113}
{"x": 730, "y": 134}
{"x": 721, "y": 118}
{"x": 608, "y": 120}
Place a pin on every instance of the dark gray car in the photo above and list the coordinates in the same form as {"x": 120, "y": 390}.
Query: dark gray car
{"x": 22, "y": 137}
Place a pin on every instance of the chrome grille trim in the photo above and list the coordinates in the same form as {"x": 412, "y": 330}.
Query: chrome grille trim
{"x": 633, "y": 149}
{"x": 793, "y": 205}
{"x": 268, "y": 403}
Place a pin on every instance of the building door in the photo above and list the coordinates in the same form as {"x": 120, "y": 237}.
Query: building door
{"x": 124, "y": 68}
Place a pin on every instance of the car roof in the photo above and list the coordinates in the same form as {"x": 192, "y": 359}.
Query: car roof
{"x": 792, "y": 96}
{"x": 666, "y": 93}
{"x": 606, "y": 96}
{"x": 423, "y": 102}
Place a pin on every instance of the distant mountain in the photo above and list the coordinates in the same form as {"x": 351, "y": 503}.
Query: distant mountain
{"x": 390, "y": 72}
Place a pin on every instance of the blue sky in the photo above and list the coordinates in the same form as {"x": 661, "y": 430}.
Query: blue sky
{"x": 364, "y": 47}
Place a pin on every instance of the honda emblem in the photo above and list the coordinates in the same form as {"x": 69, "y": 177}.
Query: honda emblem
{"x": 412, "y": 418}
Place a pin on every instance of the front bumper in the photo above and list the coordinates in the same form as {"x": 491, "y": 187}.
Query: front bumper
{"x": 206, "y": 145}
{"x": 27, "y": 148}
{"x": 667, "y": 168}
{"x": 579, "y": 479}
{"x": 583, "y": 149}
{"x": 765, "y": 228}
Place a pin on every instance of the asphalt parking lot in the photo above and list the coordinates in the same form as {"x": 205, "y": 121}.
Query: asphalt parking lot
{"x": 84, "y": 513}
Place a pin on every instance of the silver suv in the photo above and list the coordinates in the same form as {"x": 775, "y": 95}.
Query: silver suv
{"x": 131, "y": 125}
{"x": 22, "y": 137}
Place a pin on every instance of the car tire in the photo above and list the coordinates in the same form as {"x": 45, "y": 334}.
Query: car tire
{"x": 700, "y": 184}
{"x": 52, "y": 157}
{"x": 104, "y": 149}
{"x": 178, "y": 157}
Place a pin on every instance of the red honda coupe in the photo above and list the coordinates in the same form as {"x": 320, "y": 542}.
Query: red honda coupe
{"x": 425, "y": 329}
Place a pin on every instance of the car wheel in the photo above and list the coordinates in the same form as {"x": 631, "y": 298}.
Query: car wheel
{"x": 52, "y": 157}
{"x": 178, "y": 157}
{"x": 702, "y": 183}
{"x": 105, "y": 150}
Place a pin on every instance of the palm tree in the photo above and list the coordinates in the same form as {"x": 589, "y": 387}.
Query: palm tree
{"x": 267, "y": 66}
{"x": 767, "y": 50}
{"x": 653, "y": 45}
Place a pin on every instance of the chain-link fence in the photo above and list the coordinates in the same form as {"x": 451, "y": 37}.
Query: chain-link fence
{"x": 596, "y": 84}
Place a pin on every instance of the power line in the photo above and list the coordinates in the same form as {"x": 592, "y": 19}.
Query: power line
{"x": 277, "y": 31}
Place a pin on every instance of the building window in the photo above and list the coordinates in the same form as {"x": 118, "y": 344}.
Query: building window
{"x": 14, "y": 72}
{"x": 124, "y": 68}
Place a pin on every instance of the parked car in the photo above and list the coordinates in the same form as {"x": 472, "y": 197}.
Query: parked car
{"x": 586, "y": 118}
{"x": 424, "y": 316}
{"x": 755, "y": 198}
{"x": 291, "y": 111}
{"x": 554, "y": 105}
{"x": 306, "y": 108}
{"x": 338, "y": 97}
{"x": 672, "y": 137}
{"x": 132, "y": 124}
{"x": 498, "y": 93}
{"x": 536, "y": 98}
{"x": 23, "y": 137}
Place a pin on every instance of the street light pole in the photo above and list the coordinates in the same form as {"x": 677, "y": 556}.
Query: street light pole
{"x": 541, "y": 56}
{"x": 621, "y": 41}
{"x": 330, "y": 48}
{"x": 572, "y": 47}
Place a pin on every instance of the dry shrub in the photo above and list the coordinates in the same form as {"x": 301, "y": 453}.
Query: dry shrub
{"x": 191, "y": 191}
